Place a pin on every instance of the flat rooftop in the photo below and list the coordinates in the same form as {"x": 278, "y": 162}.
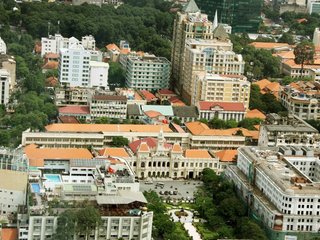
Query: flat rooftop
{"x": 281, "y": 172}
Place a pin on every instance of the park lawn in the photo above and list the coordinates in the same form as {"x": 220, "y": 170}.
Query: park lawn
{"x": 205, "y": 233}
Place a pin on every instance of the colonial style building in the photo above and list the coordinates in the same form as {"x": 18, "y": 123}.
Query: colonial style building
{"x": 281, "y": 188}
{"x": 302, "y": 99}
{"x": 291, "y": 130}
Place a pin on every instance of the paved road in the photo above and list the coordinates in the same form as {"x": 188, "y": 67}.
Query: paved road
{"x": 185, "y": 188}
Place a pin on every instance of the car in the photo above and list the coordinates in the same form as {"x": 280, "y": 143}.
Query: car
{"x": 161, "y": 192}
{"x": 149, "y": 182}
{"x": 166, "y": 192}
{"x": 175, "y": 192}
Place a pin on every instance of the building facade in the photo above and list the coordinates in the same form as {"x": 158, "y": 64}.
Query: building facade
{"x": 208, "y": 56}
{"x": 301, "y": 99}
{"x": 281, "y": 131}
{"x": 108, "y": 106}
{"x": 147, "y": 73}
{"x": 280, "y": 186}
{"x": 189, "y": 23}
{"x": 221, "y": 110}
{"x": 3, "y": 47}
{"x": 4, "y": 86}
{"x": 99, "y": 74}
{"x": 8, "y": 64}
{"x": 74, "y": 66}
{"x": 222, "y": 88}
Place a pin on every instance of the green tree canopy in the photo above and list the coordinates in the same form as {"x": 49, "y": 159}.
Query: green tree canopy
{"x": 119, "y": 141}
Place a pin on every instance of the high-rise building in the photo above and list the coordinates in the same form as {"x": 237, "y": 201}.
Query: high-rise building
{"x": 189, "y": 23}
{"x": 242, "y": 15}
{"x": 316, "y": 37}
{"x": 99, "y": 74}
{"x": 3, "y": 47}
{"x": 74, "y": 66}
{"x": 208, "y": 57}
{"x": 147, "y": 73}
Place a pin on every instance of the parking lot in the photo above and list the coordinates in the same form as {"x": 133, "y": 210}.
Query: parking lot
{"x": 183, "y": 189}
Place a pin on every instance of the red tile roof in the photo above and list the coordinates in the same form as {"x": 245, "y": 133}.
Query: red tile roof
{"x": 51, "y": 55}
{"x": 152, "y": 114}
{"x": 51, "y": 65}
{"x": 68, "y": 119}
{"x": 112, "y": 47}
{"x": 255, "y": 113}
{"x": 9, "y": 233}
{"x": 148, "y": 95}
{"x": 166, "y": 92}
{"x": 151, "y": 142}
{"x": 175, "y": 101}
{"x": 227, "y": 155}
{"x": 227, "y": 106}
{"x": 114, "y": 152}
{"x": 74, "y": 110}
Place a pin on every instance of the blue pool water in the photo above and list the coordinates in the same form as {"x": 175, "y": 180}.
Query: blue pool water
{"x": 35, "y": 187}
{"x": 53, "y": 177}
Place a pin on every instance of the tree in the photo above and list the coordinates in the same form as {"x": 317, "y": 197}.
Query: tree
{"x": 247, "y": 229}
{"x": 116, "y": 76}
{"x": 119, "y": 141}
{"x": 176, "y": 121}
{"x": 88, "y": 219}
{"x": 286, "y": 38}
{"x": 66, "y": 226}
{"x": 249, "y": 123}
{"x": 304, "y": 54}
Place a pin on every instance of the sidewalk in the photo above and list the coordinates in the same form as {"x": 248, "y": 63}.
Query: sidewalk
{"x": 187, "y": 223}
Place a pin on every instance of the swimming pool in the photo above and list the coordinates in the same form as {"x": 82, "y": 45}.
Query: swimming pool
{"x": 35, "y": 187}
{"x": 53, "y": 178}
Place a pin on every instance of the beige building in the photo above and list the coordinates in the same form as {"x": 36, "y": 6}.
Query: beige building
{"x": 208, "y": 57}
{"x": 302, "y": 99}
{"x": 110, "y": 106}
{"x": 221, "y": 88}
{"x": 9, "y": 64}
{"x": 198, "y": 136}
{"x": 190, "y": 23}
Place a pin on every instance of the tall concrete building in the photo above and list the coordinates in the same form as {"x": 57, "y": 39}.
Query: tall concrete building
{"x": 189, "y": 23}
{"x": 3, "y": 47}
{"x": 4, "y": 86}
{"x": 316, "y": 37}
{"x": 74, "y": 66}
{"x": 213, "y": 56}
{"x": 147, "y": 73}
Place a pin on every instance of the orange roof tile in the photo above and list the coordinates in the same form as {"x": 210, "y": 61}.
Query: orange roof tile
{"x": 269, "y": 45}
{"x": 9, "y": 233}
{"x": 148, "y": 95}
{"x": 114, "y": 152}
{"x": 74, "y": 109}
{"x": 176, "y": 148}
{"x": 175, "y": 101}
{"x": 124, "y": 51}
{"x": 197, "y": 153}
{"x": 227, "y": 155}
{"x": 255, "y": 113}
{"x": 285, "y": 54}
{"x": 51, "y": 55}
{"x": 262, "y": 83}
{"x": 52, "y": 81}
{"x": 143, "y": 147}
{"x": 257, "y": 127}
{"x": 166, "y": 92}
{"x": 51, "y": 65}
{"x": 37, "y": 155}
{"x": 59, "y": 127}
{"x": 112, "y": 47}
{"x": 152, "y": 114}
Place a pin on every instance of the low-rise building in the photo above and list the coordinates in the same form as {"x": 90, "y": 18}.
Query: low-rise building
{"x": 221, "y": 110}
{"x": 302, "y": 99}
{"x": 269, "y": 87}
{"x": 79, "y": 111}
{"x": 110, "y": 106}
{"x": 291, "y": 130}
{"x": 281, "y": 188}
{"x": 99, "y": 75}
{"x": 109, "y": 185}
{"x": 164, "y": 95}
{"x": 186, "y": 113}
